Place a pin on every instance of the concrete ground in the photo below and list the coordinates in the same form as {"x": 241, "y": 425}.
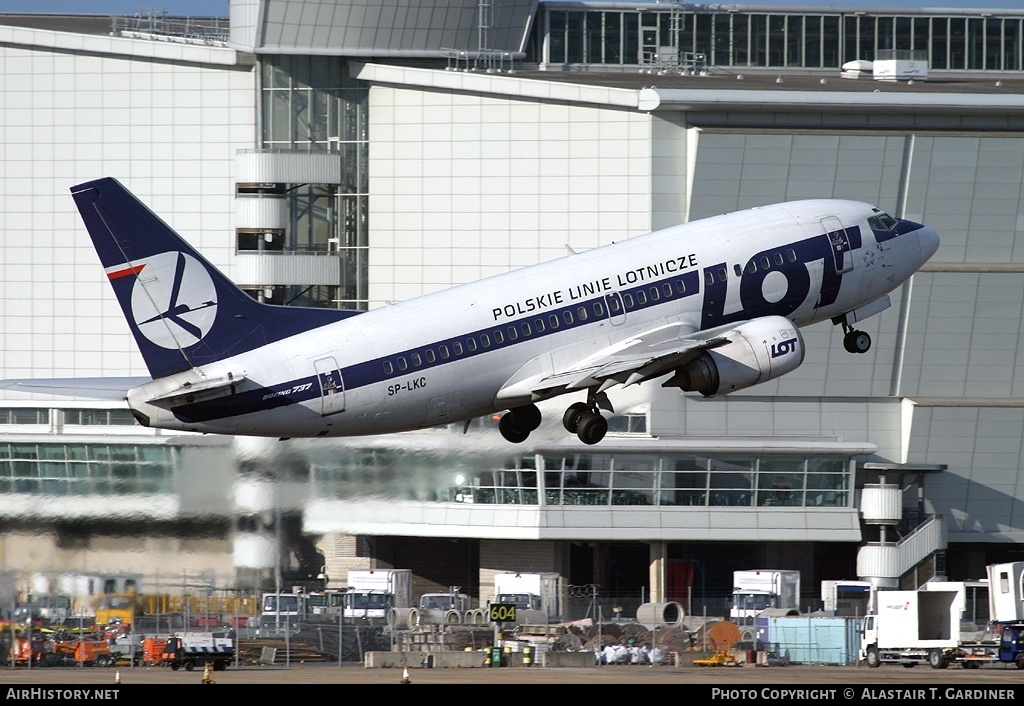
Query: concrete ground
{"x": 791, "y": 676}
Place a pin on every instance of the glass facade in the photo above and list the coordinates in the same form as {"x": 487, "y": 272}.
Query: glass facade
{"x": 613, "y": 34}
{"x": 81, "y": 469}
{"x": 311, "y": 104}
{"x": 594, "y": 479}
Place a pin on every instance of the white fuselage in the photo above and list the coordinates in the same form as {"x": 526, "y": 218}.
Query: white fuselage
{"x": 438, "y": 358}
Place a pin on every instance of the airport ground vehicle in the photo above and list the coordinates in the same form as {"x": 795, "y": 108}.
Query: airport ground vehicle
{"x": 440, "y": 608}
{"x": 536, "y": 596}
{"x": 849, "y": 598}
{"x": 756, "y": 590}
{"x": 922, "y": 627}
{"x": 371, "y": 593}
{"x": 190, "y": 651}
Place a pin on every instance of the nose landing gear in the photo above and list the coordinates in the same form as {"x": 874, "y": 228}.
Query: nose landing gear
{"x": 855, "y": 341}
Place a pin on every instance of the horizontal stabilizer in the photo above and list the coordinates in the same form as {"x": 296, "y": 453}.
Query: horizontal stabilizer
{"x": 86, "y": 388}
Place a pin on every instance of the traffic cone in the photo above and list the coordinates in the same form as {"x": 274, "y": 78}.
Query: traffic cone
{"x": 405, "y": 676}
{"x": 117, "y": 677}
{"x": 206, "y": 674}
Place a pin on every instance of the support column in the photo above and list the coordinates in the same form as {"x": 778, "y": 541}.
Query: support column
{"x": 657, "y": 552}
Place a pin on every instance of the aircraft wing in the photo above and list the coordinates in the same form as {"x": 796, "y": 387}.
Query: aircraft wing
{"x": 87, "y": 388}
{"x": 647, "y": 355}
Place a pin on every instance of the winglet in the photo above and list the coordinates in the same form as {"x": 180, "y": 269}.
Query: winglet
{"x": 181, "y": 309}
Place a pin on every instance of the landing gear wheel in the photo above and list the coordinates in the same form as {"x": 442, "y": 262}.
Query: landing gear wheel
{"x": 872, "y": 658}
{"x": 527, "y": 417}
{"x": 510, "y": 430}
{"x": 937, "y": 660}
{"x": 857, "y": 342}
{"x": 591, "y": 428}
{"x": 572, "y": 416}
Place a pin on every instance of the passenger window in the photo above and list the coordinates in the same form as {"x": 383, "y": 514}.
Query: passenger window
{"x": 443, "y": 349}
{"x": 471, "y": 344}
{"x": 512, "y": 333}
{"x": 499, "y": 338}
{"x": 539, "y": 325}
{"x": 738, "y": 270}
{"x": 667, "y": 289}
{"x": 567, "y": 317}
{"x": 627, "y": 299}
{"x": 641, "y": 298}
{"x": 402, "y": 363}
{"x": 581, "y": 313}
{"x": 791, "y": 254}
{"x": 457, "y": 347}
{"x": 485, "y": 340}
{"x": 416, "y": 360}
{"x": 723, "y": 274}
{"x": 525, "y": 327}
{"x": 765, "y": 263}
{"x": 388, "y": 367}
{"x": 778, "y": 258}
{"x": 553, "y": 320}
{"x": 655, "y": 294}
{"x": 614, "y": 305}
{"x": 598, "y": 309}
{"x": 681, "y": 286}
{"x": 709, "y": 277}
{"x": 751, "y": 267}
{"x": 429, "y": 355}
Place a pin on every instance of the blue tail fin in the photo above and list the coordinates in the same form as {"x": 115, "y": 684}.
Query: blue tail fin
{"x": 183, "y": 311}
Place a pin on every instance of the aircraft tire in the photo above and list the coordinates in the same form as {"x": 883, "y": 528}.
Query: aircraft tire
{"x": 509, "y": 430}
{"x": 857, "y": 342}
{"x": 592, "y": 428}
{"x": 572, "y": 416}
{"x": 527, "y": 417}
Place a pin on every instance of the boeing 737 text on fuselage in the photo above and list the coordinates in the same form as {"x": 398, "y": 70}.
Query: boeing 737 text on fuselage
{"x": 710, "y": 307}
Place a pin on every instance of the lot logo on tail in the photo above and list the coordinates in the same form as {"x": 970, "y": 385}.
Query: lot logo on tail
{"x": 174, "y": 301}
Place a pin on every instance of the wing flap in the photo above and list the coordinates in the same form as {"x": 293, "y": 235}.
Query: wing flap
{"x": 642, "y": 357}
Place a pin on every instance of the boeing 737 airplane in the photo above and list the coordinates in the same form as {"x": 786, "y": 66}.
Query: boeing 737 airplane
{"x": 710, "y": 307}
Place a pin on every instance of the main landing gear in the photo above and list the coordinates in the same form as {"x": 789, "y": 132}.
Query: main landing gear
{"x": 581, "y": 418}
{"x": 855, "y": 341}
{"x": 516, "y": 424}
{"x": 586, "y": 422}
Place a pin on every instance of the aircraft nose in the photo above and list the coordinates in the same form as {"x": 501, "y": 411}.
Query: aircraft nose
{"x": 928, "y": 240}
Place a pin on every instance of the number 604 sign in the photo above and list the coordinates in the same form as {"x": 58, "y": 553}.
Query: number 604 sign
{"x": 503, "y": 612}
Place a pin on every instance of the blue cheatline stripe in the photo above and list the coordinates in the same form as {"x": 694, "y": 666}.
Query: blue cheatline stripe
{"x": 641, "y": 297}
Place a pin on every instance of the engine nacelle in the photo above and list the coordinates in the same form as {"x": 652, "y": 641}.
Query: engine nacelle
{"x": 758, "y": 351}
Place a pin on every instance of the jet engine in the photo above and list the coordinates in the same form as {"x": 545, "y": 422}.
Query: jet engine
{"x": 758, "y": 350}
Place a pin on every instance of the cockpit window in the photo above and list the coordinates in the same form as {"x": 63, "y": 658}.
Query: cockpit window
{"x": 883, "y": 225}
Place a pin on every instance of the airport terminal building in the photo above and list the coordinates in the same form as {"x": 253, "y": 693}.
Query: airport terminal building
{"x": 331, "y": 153}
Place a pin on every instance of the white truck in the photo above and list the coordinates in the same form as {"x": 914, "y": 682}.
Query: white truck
{"x": 757, "y": 590}
{"x": 372, "y": 593}
{"x": 537, "y": 596}
{"x": 440, "y": 608}
{"x": 846, "y": 597}
{"x": 922, "y": 627}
